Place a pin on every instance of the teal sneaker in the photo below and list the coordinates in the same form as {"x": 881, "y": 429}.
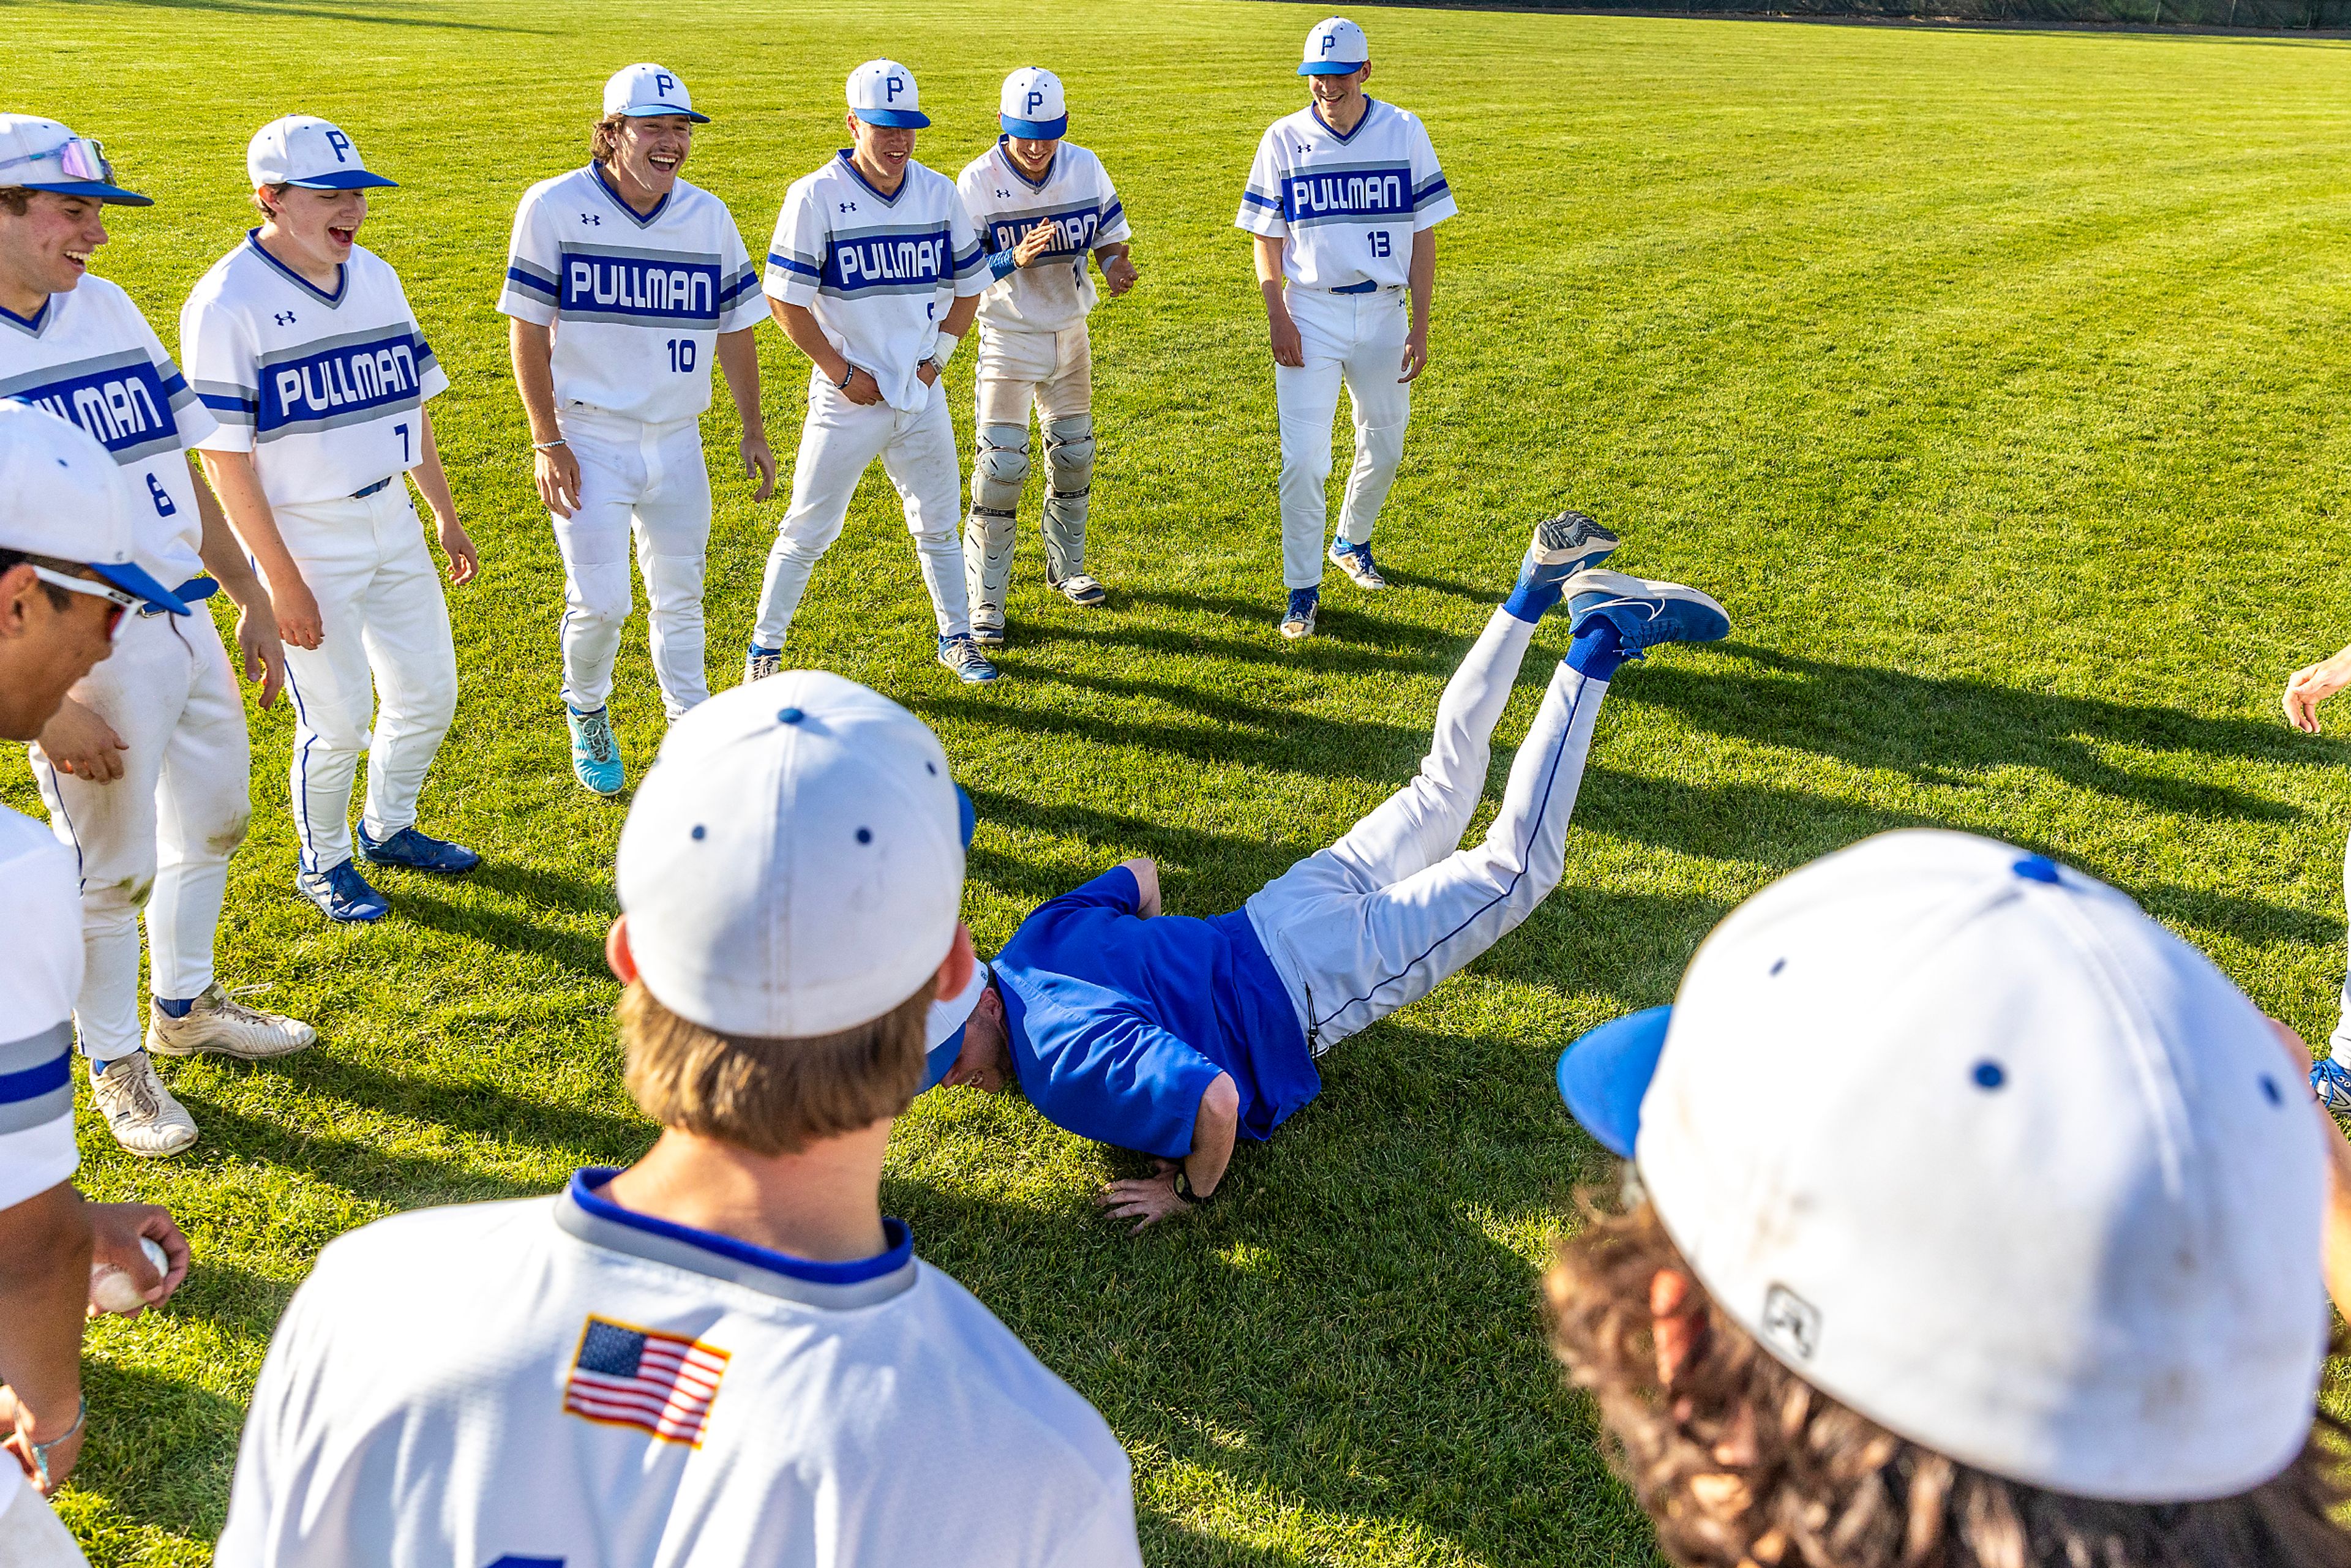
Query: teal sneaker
{"x": 596, "y": 751}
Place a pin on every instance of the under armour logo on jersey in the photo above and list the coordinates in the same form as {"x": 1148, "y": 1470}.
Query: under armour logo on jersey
{"x": 593, "y": 218}
{"x": 1002, "y": 194}
{"x": 284, "y": 318}
{"x": 849, "y": 206}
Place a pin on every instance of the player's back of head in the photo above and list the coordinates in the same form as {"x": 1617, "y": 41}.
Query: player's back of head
{"x": 1976, "y": 1220}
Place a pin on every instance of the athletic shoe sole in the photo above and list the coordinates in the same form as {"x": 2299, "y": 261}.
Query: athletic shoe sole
{"x": 1572, "y": 538}
{"x": 1648, "y": 613}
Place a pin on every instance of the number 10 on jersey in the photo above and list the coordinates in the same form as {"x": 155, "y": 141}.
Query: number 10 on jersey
{"x": 681, "y": 354}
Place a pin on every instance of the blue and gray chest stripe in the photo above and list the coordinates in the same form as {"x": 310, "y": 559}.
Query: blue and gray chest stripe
{"x": 125, "y": 398}
{"x": 36, "y": 1078}
{"x": 327, "y": 383}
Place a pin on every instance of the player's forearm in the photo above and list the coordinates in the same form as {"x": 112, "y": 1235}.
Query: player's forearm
{"x": 44, "y": 1247}
{"x": 531, "y": 348}
{"x": 1269, "y": 270}
{"x": 432, "y": 479}
{"x": 1213, "y": 1131}
{"x": 1423, "y": 276}
{"x": 739, "y": 361}
{"x": 959, "y": 315}
{"x": 1116, "y": 250}
{"x": 232, "y": 477}
{"x": 799, "y": 323}
{"x": 223, "y": 557}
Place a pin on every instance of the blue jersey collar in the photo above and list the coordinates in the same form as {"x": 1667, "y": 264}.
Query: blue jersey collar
{"x": 642, "y": 220}
{"x": 38, "y": 322}
{"x": 1018, "y": 173}
{"x": 584, "y": 1212}
{"x": 331, "y": 301}
{"x": 1370, "y": 107}
{"x": 858, "y": 174}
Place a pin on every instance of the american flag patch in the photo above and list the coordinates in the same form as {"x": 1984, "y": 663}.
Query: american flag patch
{"x": 658, "y": 1382}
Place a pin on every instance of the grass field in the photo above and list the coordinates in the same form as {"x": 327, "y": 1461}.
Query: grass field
{"x": 1992, "y": 380}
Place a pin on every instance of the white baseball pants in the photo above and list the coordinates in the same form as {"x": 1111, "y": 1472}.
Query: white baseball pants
{"x": 1379, "y": 918}
{"x": 160, "y": 837}
{"x": 1355, "y": 339}
{"x": 1053, "y": 371}
{"x": 648, "y": 481}
{"x": 30, "y": 1535}
{"x": 386, "y": 634}
{"x": 839, "y": 441}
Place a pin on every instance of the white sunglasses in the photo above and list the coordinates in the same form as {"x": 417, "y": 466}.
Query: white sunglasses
{"x": 120, "y": 600}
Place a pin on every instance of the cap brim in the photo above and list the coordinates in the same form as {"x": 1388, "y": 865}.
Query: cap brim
{"x": 648, "y": 110}
{"x": 1034, "y": 130}
{"x": 131, "y": 579}
{"x": 941, "y": 1060}
{"x": 966, "y": 815}
{"x": 355, "y": 180}
{"x": 114, "y": 195}
{"x": 1330, "y": 68}
{"x": 1603, "y": 1075}
{"x": 895, "y": 119}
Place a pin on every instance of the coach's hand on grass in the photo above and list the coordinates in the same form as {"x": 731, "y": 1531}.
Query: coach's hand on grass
{"x": 115, "y": 1229}
{"x": 2312, "y": 684}
{"x": 82, "y": 746}
{"x": 1146, "y": 1201}
{"x": 465, "y": 560}
{"x": 557, "y": 473}
{"x": 760, "y": 463}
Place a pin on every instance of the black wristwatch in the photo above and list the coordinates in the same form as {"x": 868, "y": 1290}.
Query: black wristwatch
{"x": 1184, "y": 1189}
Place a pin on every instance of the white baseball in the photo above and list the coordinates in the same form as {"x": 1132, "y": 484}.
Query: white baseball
{"x": 111, "y": 1290}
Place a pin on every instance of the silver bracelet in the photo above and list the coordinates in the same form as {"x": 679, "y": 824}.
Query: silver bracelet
{"x": 41, "y": 1450}
{"x": 549, "y": 446}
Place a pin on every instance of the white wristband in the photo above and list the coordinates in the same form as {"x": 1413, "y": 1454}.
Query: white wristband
{"x": 942, "y": 349}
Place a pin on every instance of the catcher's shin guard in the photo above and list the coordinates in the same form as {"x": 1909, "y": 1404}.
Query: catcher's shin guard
{"x": 999, "y": 471}
{"x": 1070, "y": 481}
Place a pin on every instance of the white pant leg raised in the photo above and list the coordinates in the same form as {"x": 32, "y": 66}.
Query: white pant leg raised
{"x": 1306, "y": 401}
{"x": 673, "y": 529}
{"x": 838, "y": 441}
{"x": 927, "y": 471}
{"x": 202, "y": 807}
{"x": 593, "y": 542}
{"x": 1382, "y": 406}
{"x": 412, "y": 658}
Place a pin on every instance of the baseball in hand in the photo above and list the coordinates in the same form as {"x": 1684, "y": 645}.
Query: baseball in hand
{"x": 111, "y": 1290}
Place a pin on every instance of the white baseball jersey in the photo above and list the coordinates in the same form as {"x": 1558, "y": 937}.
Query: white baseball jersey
{"x": 559, "y": 1380}
{"x": 1349, "y": 205}
{"x": 40, "y": 974}
{"x": 637, "y": 303}
{"x": 89, "y": 355}
{"x": 322, "y": 388}
{"x": 878, "y": 272}
{"x": 1056, "y": 290}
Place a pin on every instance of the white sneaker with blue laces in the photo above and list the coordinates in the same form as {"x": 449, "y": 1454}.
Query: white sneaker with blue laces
{"x": 1356, "y": 561}
{"x": 758, "y": 663}
{"x": 962, "y": 656}
{"x": 2330, "y": 1081}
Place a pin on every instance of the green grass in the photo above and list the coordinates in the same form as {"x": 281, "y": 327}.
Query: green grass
{"x": 1992, "y": 380}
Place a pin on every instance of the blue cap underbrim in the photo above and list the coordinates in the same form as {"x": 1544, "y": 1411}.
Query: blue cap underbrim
{"x": 895, "y": 119}
{"x": 1603, "y": 1075}
{"x": 350, "y": 180}
{"x": 1330, "y": 68}
{"x": 114, "y": 195}
{"x": 131, "y": 579}
{"x": 941, "y": 1059}
{"x": 1034, "y": 130}
{"x": 648, "y": 110}
{"x": 966, "y": 815}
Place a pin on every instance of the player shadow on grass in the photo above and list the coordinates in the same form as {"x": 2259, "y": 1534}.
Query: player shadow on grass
{"x": 514, "y": 917}
{"x": 275, "y": 10}
{"x": 143, "y": 1426}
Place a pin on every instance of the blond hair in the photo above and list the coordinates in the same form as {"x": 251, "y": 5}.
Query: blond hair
{"x": 604, "y": 141}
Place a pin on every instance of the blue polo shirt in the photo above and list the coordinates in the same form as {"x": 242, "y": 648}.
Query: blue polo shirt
{"x": 1119, "y": 1024}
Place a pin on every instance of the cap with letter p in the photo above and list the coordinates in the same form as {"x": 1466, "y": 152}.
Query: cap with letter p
{"x": 1970, "y": 1144}
{"x": 62, "y": 498}
{"x": 1334, "y": 48}
{"x": 793, "y": 863}
{"x": 882, "y": 92}
{"x": 1032, "y": 107}
{"x": 313, "y": 153}
{"x": 641, "y": 92}
{"x": 38, "y": 154}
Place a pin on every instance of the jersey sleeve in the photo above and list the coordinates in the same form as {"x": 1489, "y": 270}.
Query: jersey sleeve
{"x": 971, "y": 270}
{"x": 40, "y": 971}
{"x": 431, "y": 380}
{"x": 224, "y": 369}
{"x": 534, "y": 285}
{"x": 1135, "y": 1085}
{"x": 1432, "y": 198}
{"x": 1114, "y": 889}
{"x": 1111, "y": 226}
{"x": 740, "y": 302}
{"x": 1260, "y": 211}
{"x": 796, "y": 254}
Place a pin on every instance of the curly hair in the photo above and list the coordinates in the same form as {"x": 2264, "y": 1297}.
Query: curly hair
{"x": 604, "y": 141}
{"x": 1742, "y": 1464}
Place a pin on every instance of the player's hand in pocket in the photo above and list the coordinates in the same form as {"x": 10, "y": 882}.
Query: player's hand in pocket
{"x": 465, "y": 560}
{"x": 557, "y": 473}
{"x": 82, "y": 745}
{"x": 862, "y": 388}
{"x": 760, "y": 463}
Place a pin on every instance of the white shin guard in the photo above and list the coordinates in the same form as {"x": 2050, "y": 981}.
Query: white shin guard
{"x": 1070, "y": 457}
{"x": 999, "y": 473}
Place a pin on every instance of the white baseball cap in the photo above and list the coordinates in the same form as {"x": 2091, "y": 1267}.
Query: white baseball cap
{"x": 42, "y": 155}
{"x": 62, "y": 497}
{"x": 642, "y": 92}
{"x": 882, "y": 92}
{"x": 306, "y": 150}
{"x": 1334, "y": 48}
{"x": 1032, "y": 105}
{"x": 1972, "y": 1144}
{"x": 792, "y": 864}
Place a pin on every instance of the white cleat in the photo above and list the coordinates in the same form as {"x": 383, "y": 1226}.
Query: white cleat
{"x": 139, "y": 1111}
{"x": 987, "y": 626}
{"x": 222, "y": 1026}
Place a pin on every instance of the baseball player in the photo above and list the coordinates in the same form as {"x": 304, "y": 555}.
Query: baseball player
{"x": 625, "y": 282}
{"x": 725, "y": 1353}
{"x": 144, "y": 768}
{"x": 1971, "y": 1219}
{"x": 301, "y": 344}
{"x": 2305, "y": 690}
{"x": 1345, "y": 200}
{"x": 1177, "y": 1036}
{"x": 67, "y": 579}
{"x": 874, "y": 273}
{"x": 1043, "y": 206}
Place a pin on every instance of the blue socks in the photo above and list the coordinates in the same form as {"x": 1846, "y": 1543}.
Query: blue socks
{"x": 1597, "y": 651}
{"x": 1529, "y": 599}
{"x": 175, "y": 1007}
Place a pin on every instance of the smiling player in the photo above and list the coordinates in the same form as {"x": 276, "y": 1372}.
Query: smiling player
{"x": 1042, "y": 205}
{"x": 874, "y": 273}
{"x": 302, "y": 345}
{"x": 1345, "y": 200}
{"x": 624, "y": 283}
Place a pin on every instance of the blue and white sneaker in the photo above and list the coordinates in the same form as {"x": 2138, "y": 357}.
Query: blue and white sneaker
{"x": 1356, "y": 561}
{"x": 1644, "y": 614}
{"x": 962, "y": 656}
{"x": 1570, "y": 542}
{"x": 343, "y": 893}
{"x": 2331, "y": 1082}
{"x": 412, "y": 851}
{"x": 759, "y": 663}
{"x": 1298, "y": 620}
{"x": 596, "y": 751}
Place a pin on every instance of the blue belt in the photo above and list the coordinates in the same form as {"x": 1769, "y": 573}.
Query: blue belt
{"x": 188, "y": 592}
{"x": 1366, "y": 286}
{"x": 372, "y": 489}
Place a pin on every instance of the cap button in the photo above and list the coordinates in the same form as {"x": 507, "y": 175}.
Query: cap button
{"x": 2037, "y": 868}
{"x": 789, "y": 715}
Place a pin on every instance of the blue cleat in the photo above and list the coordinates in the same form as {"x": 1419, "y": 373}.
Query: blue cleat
{"x": 343, "y": 893}
{"x": 2331, "y": 1082}
{"x": 1644, "y": 614}
{"x": 759, "y": 663}
{"x": 595, "y": 752}
{"x": 412, "y": 851}
{"x": 1298, "y": 620}
{"x": 1356, "y": 561}
{"x": 962, "y": 656}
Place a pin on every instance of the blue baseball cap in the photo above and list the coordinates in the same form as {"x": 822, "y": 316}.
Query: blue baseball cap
{"x": 42, "y": 155}
{"x": 313, "y": 153}
{"x": 1334, "y": 48}
{"x": 641, "y": 92}
{"x": 882, "y": 92}
{"x": 1032, "y": 107}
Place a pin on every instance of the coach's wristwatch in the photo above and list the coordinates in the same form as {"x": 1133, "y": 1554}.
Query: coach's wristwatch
{"x": 1184, "y": 1189}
